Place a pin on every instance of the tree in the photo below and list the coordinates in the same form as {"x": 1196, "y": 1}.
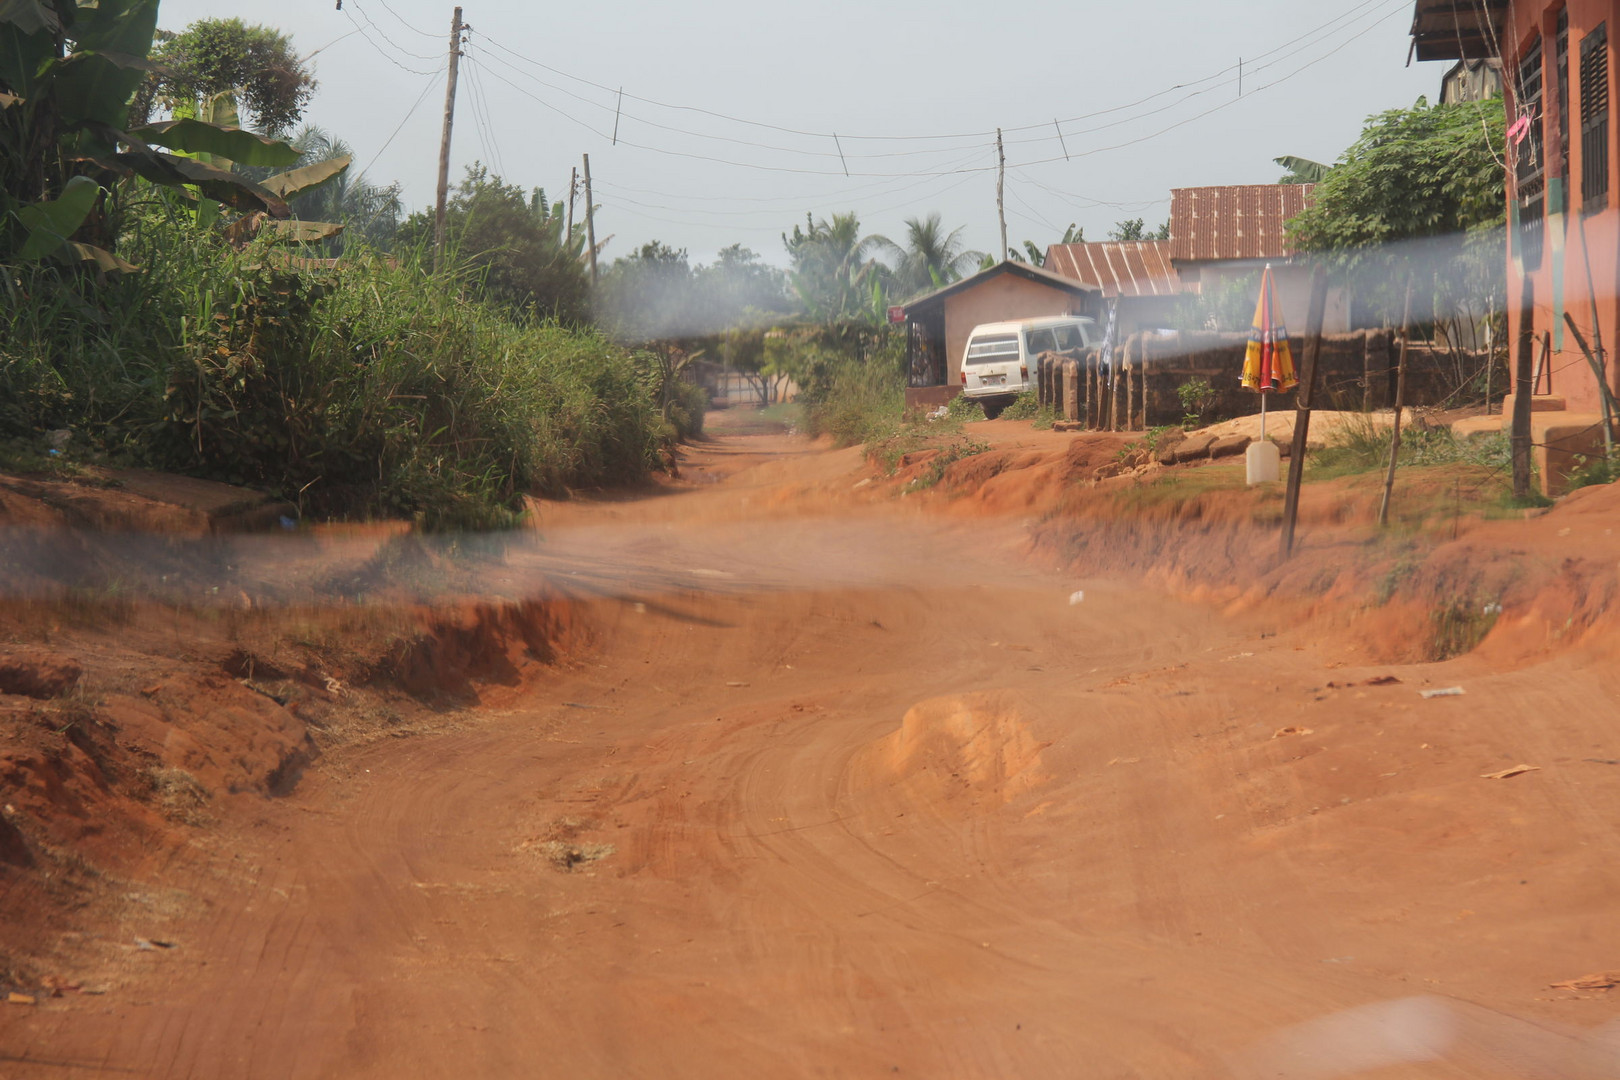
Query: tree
{"x": 1037, "y": 254}
{"x": 1302, "y": 170}
{"x": 367, "y": 212}
{"x": 1136, "y": 229}
{"x": 929, "y": 258}
{"x": 1420, "y": 196}
{"x": 738, "y": 288}
{"x": 256, "y": 67}
{"x": 834, "y": 274}
{"x": 515, "y": 239}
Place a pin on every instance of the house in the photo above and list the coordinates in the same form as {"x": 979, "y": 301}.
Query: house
{"x": 1137, "y": 274}
{"x": 938, "y": 323}
{"x": 1224, "y": 235}
{"x": 1563, "y": 221}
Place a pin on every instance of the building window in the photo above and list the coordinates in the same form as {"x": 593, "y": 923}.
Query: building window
{"x": 1561, "y": 92}
{"x": 1595, "y": 119}
{"x": 1530, "y": 158}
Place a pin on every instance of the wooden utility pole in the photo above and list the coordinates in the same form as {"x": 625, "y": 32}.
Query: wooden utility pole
{"x": 1001, "y": 209}
{"x": 573, "y": 186}
{"x": 444, "y": 139}
{"x": 1302, "y": 413}
{"x": 590, "y": 218}
{"x": 1400, "y": 403}
{"x": 1521, "y": 391}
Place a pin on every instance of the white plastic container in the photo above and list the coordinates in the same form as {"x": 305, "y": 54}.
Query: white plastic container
{"x": 1263, "y": 462}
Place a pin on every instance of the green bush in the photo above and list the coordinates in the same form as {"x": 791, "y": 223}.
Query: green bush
{"x": 374, "y": 389}
{"x": 1025, "y": 406}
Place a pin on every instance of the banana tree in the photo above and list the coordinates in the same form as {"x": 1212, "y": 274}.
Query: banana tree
{"x": 68, "y": 70}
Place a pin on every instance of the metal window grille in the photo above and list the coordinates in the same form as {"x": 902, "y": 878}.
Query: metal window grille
{"x": 1595, "y": 119}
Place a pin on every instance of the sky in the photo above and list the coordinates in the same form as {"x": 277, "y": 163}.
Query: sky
{"x": 739, "y": 118}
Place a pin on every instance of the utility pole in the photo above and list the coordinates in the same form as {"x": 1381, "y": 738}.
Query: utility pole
{"x": 573, "y": 189}
{"x": 1001, "y": 181}
{"x": 590, "y": 218}
{"x": 444, "y": 140}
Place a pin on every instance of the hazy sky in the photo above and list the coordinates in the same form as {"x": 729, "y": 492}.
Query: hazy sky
{"x": 913, "y": 91}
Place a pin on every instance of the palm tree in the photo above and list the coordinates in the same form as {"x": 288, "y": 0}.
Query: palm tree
{"x": 930, "y": 257}
{"x": 1302, "y": 170}
{"x": 834, "y": 273}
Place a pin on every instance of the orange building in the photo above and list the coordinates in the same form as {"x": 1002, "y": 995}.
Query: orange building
{"x": 1563, "y": 185}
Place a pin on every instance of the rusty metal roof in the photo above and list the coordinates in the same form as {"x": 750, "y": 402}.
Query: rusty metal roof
{"x": 1119, "y": 268}
{"x": 1457, "y": 29}
{"x": 1241, "y": 221}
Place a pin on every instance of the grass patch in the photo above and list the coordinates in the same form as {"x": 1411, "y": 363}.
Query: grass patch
{"x": 950, "y": 455}
{"x": 1362, "y": 445}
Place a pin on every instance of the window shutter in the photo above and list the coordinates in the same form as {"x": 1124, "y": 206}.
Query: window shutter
{"x": 1595, "y": 119}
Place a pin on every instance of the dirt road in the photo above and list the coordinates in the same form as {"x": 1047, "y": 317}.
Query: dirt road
{"x": 843, "y": 789}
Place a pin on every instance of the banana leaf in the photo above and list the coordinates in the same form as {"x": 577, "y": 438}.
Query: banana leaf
{"x": 105, "y": 260}
{"x": 51, "y": 223}
{"x": 307, "y": 179}
{"x": 30, "y": 16}
{"x": 189, "y": 136}
{"x": 215, "y": 183}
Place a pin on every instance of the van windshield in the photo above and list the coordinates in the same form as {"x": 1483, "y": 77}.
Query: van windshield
{"x": 992, "y": 347}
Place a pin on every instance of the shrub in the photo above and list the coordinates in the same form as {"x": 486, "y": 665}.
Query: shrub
{"x": 374, "y": 389}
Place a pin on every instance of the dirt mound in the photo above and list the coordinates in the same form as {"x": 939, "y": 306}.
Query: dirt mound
{"x": 976, "y": 745}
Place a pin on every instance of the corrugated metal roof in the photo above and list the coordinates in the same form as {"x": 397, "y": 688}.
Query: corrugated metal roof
{"x": 1240, "y": 221}
{"x": 1457, "y": 30}
{"x": 1119, "y": 268}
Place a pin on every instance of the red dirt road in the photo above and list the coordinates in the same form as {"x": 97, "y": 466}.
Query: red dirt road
{"x": 843, "y": 790}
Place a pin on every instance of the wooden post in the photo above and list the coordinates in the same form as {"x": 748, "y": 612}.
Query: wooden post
{"x": 573, "y": 188}
{"x": 590, "y": 218}
{"x": 444, "y": 139}
{"x": 1400, "y": 403}
{"x": 1605, "y": 394}
{"x": 1521, "y": 390}
{"x": 1303, "y": 402}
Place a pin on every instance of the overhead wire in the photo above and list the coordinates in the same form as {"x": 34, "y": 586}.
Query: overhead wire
{"x": 371, "y": 25}
{"x": 428, "y": 85}
{"x": 384, "y": 53}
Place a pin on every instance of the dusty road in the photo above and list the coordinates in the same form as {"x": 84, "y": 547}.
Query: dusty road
{"x": 845, "y": 791}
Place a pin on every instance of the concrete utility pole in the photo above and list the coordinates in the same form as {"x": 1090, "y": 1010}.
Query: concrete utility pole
{"x": 1001, "y": 181}
{"x": 444, "y": 140}
{"x": 590, "y": 218}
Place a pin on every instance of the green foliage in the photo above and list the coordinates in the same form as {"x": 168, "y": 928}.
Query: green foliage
{"x": 513, "y": 239}
{"x": 1589, "y": 471}
{"x": 964, "y": 410}
{"x": 1196, "y": 396}
{"x": 1025, "y": 406}
{"x": 256, "y": 65}
{"x": 834, "y": 275}
{"x": 1136, "y": 229}
{"x": 851, "y": 380}
{"x": 928, "y": 259}
{"x": 950, "y": 455}
{"x": 1362, "y": 445}
{"x": 378, "y": 389}
{"x": 1302, "y": 170}
{"x": 1430, "y": 174}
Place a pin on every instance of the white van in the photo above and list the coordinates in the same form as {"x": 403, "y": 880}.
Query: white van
{"x": 1000, "y": 356}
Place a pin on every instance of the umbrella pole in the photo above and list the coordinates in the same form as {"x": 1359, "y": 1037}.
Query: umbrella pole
{"x": 1262, "y": 416}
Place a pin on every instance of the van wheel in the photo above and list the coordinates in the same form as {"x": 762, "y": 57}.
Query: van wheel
{"x": 992, "y": 409}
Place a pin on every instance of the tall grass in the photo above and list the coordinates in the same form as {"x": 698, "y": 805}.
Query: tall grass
{"x": 373, "y": 389}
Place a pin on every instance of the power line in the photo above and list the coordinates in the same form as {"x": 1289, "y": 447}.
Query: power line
{"x": 1351, "y": 13}
{"x": 402, "y": 21}
{"x": 384, "y": 53}
{"x": 371, "y": 25}
{"x": 428, "y": 85}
